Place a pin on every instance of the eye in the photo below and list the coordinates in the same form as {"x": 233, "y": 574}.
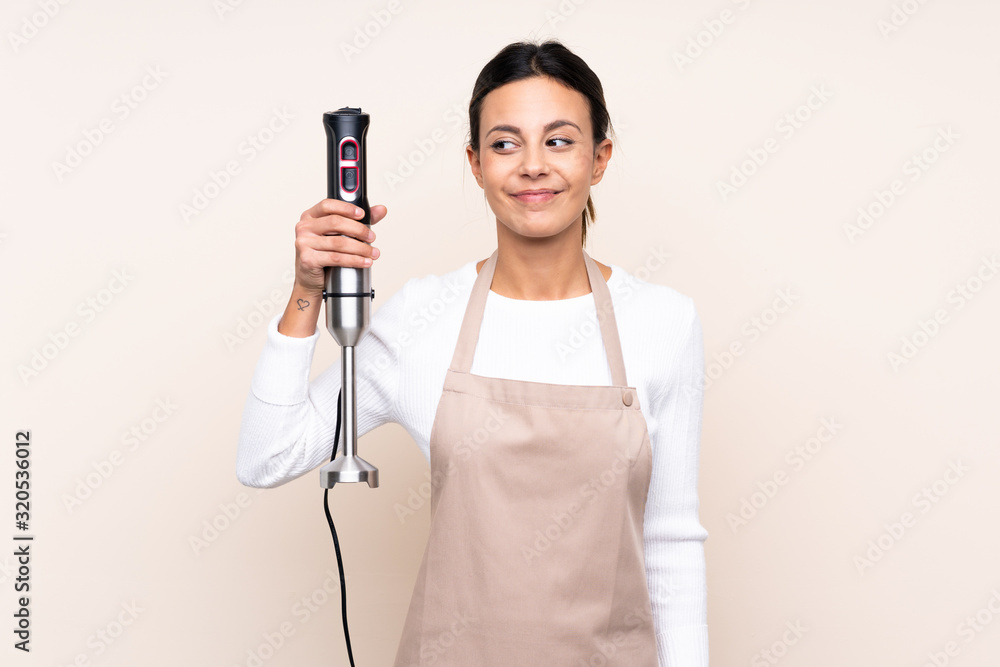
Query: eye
{"x": 568, "y": 141}
{"x": 496, "y": 144}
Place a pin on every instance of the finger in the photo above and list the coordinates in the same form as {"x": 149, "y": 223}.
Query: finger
{"x": 333, "y": 258}
{"x": 333, "y": 207}
{"x": 331, "y": 225}
{"x": 342, "y": 244}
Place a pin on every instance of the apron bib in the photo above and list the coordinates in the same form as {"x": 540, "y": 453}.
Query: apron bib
{"x": 535, "y": 553}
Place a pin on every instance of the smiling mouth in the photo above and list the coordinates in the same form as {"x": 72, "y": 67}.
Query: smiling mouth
{"x": 535, "y": 197}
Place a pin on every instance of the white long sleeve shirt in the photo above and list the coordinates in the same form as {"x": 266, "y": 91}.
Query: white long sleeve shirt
{"x": 288, "y": 422}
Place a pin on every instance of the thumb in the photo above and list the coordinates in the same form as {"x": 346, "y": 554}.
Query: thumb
{"x": 378, "y": 212}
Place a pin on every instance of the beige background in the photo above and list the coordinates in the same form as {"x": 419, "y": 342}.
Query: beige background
{"x": 173, "y": 332}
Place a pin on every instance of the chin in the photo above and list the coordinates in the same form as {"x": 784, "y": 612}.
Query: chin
{"x": 537, "y": 228}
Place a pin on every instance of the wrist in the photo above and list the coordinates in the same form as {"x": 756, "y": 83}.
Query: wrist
{"x": 300, "y": 291}
{"x": 301, "y": 314}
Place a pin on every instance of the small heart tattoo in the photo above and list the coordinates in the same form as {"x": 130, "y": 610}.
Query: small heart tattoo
{"x": 303, "y": 304}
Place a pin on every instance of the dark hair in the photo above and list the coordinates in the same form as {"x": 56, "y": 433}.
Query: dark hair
{"x": 523, "y": 60}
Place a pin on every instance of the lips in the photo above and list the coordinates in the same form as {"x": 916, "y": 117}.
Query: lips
{"x": 532, "y": 196}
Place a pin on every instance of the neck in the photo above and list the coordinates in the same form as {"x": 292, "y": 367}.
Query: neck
{"x": 541, "y": 269}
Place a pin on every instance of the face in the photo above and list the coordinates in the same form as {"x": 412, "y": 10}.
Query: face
{"x": 537, "y": 158}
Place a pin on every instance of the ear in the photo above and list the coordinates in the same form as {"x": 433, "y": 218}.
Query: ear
{"x": 477, "y": 168}
{"x": 601, "y": 156}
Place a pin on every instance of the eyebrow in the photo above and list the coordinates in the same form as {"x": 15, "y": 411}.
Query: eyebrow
{"x": 549, "y": 127}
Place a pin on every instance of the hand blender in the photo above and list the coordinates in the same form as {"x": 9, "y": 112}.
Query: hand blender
{"x": 348, "y": 292}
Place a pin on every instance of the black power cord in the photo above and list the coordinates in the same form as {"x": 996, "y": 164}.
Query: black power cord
{"x": 336, "y": 542}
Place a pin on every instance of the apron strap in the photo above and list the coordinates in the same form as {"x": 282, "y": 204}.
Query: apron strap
{"x": 468, "y": 335}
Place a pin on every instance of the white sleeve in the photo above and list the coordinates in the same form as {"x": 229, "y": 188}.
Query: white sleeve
{"x": 288, "y": 424}
{"x": 674, "y": 537}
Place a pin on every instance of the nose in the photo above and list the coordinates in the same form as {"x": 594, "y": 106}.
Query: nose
{"x": 533, "y": 160}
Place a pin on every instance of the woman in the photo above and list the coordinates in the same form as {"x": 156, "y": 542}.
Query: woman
{"x": 563, "y": 434}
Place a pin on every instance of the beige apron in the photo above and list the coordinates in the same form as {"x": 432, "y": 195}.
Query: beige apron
{"x": 535, "y": 553}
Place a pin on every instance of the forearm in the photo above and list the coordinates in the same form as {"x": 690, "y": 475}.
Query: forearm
{"x": 301, "y": 313}
{"x": 283, "y": 412}
{"x": 278, "y": 443}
